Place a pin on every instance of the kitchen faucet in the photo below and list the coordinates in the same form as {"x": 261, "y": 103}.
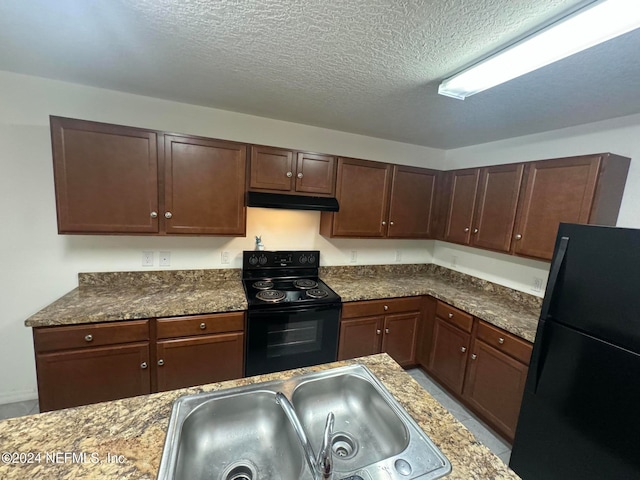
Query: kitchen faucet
{"x": 321, "y": 466}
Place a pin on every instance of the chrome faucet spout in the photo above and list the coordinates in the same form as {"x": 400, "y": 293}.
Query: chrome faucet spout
{"x": 321, "y": 467}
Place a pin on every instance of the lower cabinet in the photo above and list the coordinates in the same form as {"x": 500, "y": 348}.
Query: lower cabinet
{"x": 482, "y": 365}
{"x": 376, "y": 326}
{"x": 89, "y": 363}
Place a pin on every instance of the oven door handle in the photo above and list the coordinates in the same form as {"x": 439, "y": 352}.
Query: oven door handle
{"x": 310, "y": 308}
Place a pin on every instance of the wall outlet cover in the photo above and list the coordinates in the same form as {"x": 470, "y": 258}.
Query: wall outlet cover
{"x": 354, "y": 256}
{"x": 147, "y": 259}
{"x": 224, "y": 258}
{"x": 165, "y": 259}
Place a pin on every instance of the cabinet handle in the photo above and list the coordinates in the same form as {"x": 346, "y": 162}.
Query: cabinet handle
{"x": 466, "y": 229}
{"x": 88, "y": 338}
{"x": 386, "y": 307}
{"x": 300, "y": 175}
{"x": 161, "y": 362}
{"x": 154, "y": 214}
{"x": 203, "y": 326}
{"x": 384, "y": 223}
{"x": 289, "y": 174}
{"x": 386, "y": 330}
{"x": 378, "y": 331}
{"x": 143, "y": 365}
{"x": 475, "y": 230}
{"x": 390, "y": 223}
{"x": 501, "y": 340}
{"x": 474, "y": 356}
{"x": 168, "y": 215}
{"x": 518, "y": 236}
{"x": 451, "y": 315}
{"x": 463, "y": 349}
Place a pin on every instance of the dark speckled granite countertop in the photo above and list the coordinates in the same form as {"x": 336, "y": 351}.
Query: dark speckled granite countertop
{"x": 103, "y": 297}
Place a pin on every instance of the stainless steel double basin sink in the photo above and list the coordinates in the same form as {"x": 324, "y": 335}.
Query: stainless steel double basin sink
{"x": 243, "y": 433}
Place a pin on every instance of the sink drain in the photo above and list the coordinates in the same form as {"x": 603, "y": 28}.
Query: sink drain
{"x": 240, "y": 472}
{"x": 344, "y": 445}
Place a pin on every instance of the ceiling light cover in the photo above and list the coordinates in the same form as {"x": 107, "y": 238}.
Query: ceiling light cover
{"x": 590, "y": 26}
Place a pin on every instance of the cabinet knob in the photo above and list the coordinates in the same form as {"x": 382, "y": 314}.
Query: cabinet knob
{"x": 390, "y": 223}
{"x": 386, "y": 330}
{"x": 463, "y": 349}
{"x": 154, "y": 214}
{"x": 300, "y": 175}
{"x": 386, "y": 307}
{"x": 474, "y": 356}
{"x": 466, "y": 229}
{"x": 378, "y": 331}
{"x": 203, "y": 326}
{"x": 501, "y": 340}
{"x": 451, "y": 315}
{"x": 384, "y": 223}
{"x": 289, "y": 174}
{"x": 88, "y": 338}
{"x": 475, "y": 230}
{"x": 168, "y": 215}
{"x": 161, "y": 362}
{"x": 143, "y": 365}
{"x": 518, "y": 236}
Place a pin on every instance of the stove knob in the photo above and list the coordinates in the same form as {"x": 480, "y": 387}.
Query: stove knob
{"x": 253, "y": 260}
{"x": 303, "y": 259}
{"x": 312, "y": 258}
{"x": 262, "y": 259}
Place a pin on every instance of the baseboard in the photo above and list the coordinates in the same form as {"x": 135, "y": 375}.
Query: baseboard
{"x": 19, "y": 396}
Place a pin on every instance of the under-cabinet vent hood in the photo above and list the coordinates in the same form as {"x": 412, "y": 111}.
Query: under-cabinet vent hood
{"x": 291, "y": 202}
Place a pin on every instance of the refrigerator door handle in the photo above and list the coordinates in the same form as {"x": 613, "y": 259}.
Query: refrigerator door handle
{"x": 539, "y": 351}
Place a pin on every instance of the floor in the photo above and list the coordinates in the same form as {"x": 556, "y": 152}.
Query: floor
{"x": 480, "y": 430}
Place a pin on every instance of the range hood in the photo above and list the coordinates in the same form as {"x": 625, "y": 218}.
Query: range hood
{"x": 291, "y": 202}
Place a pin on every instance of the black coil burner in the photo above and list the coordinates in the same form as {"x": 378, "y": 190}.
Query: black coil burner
{"x": 271, "y": 295}
{"x": 317, "y": 293}
{"x": 305, "y": 283}
{"x": 262, "y": 285}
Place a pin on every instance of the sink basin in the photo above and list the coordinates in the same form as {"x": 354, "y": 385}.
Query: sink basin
{"x": 243, "y": 434}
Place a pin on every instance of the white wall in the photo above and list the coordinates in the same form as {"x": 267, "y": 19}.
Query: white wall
{"x": 620, "y": 136}
{"x": 37, "y": 265}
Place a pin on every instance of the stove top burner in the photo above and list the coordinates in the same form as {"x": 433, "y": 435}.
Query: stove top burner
{"x": 271, "y": 295}
{"x": 262, "y": 285}
{"x": 305, "y": 283}
{"x": 317, "y": 293}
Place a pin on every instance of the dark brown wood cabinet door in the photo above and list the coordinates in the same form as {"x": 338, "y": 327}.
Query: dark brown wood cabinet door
{"x": 496, "y": 206}
{"x": 362, "y": 190}
{"x": 360, "y": 337}
{"x": 494, "y": 386}
{"x": 271, "y": 169}
{"x": 204, "y": 186}
{"x": 199, "y": 360}
{"x": 464, "y": 185}
{"x": 412, "y": 202}
{"x": 559, "y": 190}
{"x": 315, "y": 174}
{"x": 425, "y": 331}
{"x": 449, "y": 354}
{"x": 106, "y": 177}
{"x": 400, "y": 335}
{"x": 80, "y": 377}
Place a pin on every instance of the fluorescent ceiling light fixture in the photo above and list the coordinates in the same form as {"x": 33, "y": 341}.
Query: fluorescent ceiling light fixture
{"x": 596, "y": 23}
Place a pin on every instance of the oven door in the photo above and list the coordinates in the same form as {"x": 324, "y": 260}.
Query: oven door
{"x": 283, "y": 338}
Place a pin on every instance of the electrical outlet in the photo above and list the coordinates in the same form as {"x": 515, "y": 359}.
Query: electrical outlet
{"x": 538, "y": 284}
{"x": 354, "y": 256}
{"x": 224, "y": 258}
{"x": 454, "y": 261}
{"x": 165, "y": 259}
{"x": 398, "y": 255}
{"x": 147, "y": 259}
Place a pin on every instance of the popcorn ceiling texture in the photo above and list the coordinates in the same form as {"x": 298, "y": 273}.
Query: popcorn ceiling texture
{"x": 361, "y": 66}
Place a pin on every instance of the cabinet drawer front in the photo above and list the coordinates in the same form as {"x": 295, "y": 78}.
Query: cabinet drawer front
{"x": 378, "y": 307}
{"x": 79, "y": 336}
{"x": 505, "y": 342}
{"x": 200, "y": 325}
{"x": 454, "y": 316}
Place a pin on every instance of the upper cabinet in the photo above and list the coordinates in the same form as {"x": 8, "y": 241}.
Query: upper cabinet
{"x": 585, "y": 189}
{"x": 381, "y": 200}
{"x": 463, "y": 185}
{"x": 122, "y": 180}
{"x": 286, "y": 171}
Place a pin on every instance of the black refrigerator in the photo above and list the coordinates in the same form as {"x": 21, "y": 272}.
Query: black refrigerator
{"x": 580, "y": 415}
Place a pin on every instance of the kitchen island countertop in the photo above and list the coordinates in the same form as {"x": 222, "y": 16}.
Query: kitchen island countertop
{"x": 124, "y": 439}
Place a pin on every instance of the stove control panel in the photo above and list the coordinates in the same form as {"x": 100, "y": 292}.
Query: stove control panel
{"x": 256, "y": 260}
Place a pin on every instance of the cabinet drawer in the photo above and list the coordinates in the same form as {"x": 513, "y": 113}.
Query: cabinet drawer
{"x": 378, "y": 307}
{"x": 505, "y": 342}
{"x": 454, "y": 316}
{"x": 200, "y": 325}
{"x": 80, "y": 336}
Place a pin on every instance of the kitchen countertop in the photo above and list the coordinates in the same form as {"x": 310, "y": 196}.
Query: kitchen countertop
{"x": 127, "y": 436}
{"x": 103, "y": 297}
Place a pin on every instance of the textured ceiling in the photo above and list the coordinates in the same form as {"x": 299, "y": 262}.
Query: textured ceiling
{"x": 363, "y": 66}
